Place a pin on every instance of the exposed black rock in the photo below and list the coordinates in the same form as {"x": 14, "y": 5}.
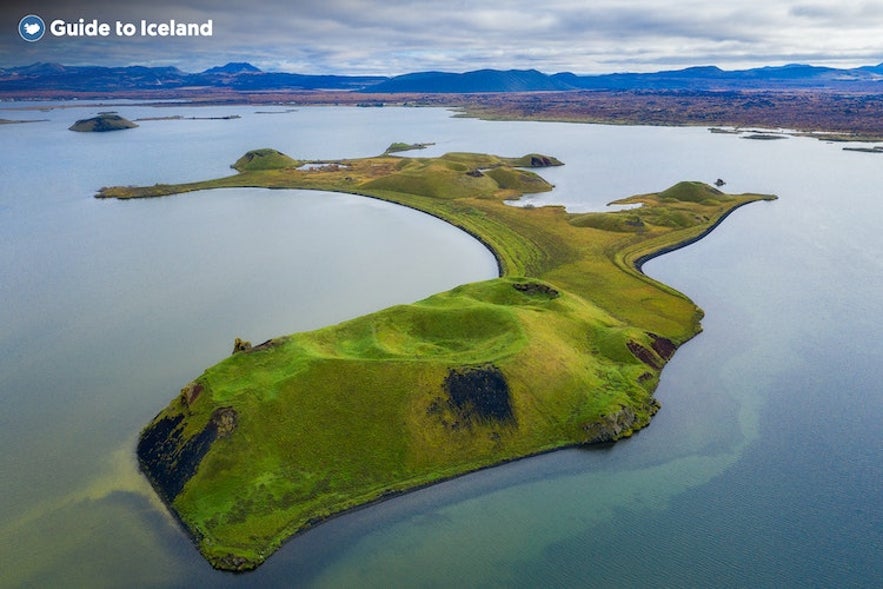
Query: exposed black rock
{"x": 643, "y": 354}
{"x": 480, "y": 394}
{"x": 536, "y": 289}
{"x": 168, "y": 460}
{"x": 662, "y": 346}
{"x": 540, "y": 161}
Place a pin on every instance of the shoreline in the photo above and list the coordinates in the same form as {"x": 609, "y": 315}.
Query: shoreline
{"x": 641, "y": 260}
{"x": 824, "y": 115}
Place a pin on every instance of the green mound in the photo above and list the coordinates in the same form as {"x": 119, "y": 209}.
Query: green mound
{"x": 622, "y": 223}
{"x": 535, "y": 160}
{"x": 459, "y": 175}
{"x": 264, "y": 159}
{"x": 565, "y": 348}
{"x": 691, "y": 192}
{"x": 102, "y": 123}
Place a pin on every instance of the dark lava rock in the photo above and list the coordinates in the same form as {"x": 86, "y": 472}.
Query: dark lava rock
{"x": 643, "y": 354}
{"x": 614, "y": 426}
{"x": 480, "y": 394}
{"x": 535, "y": 288}
{"x": 168, "y": 460}
{"x": 662, "y": 346}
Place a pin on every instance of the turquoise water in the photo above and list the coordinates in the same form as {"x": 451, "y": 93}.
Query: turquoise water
{"x": 763, "y": 469}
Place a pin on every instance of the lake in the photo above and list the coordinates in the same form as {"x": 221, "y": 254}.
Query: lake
{"x": 763, "y": 469}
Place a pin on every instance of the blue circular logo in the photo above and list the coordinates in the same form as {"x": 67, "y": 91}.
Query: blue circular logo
{"x": 31, "y": 28}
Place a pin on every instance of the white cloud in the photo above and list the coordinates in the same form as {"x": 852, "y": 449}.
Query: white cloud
{"x": 395, "y": 36}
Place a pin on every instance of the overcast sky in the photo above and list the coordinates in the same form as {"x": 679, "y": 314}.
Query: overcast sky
{"x": 397, "y": 36}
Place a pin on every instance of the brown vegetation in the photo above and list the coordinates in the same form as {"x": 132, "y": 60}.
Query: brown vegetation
{"x": 855, "y": 114}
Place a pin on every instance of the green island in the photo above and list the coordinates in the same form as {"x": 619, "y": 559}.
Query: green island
{"x": 565, "y": 348}
{"x": 399, "y": 147}
{"x": 104, "y": 122}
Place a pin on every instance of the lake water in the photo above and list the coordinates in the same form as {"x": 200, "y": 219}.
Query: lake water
{"x": 764, "y": 468}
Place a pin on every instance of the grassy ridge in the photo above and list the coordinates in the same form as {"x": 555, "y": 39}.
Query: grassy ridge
{"x": 564, "y": 348}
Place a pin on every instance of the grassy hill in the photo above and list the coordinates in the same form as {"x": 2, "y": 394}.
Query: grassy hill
{"x": 264, "y": 159}
{"x": 109, "y": 121}
{"x": 565, "y": 348}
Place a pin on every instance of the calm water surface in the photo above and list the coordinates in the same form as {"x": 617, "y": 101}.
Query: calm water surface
{"x": 762, "y": 470}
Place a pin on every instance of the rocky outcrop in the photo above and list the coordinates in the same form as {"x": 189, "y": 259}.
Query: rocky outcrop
{"x": 241, "y": 345}
{"x": 191, "y": 392}
{"x": 662, "y": 346}
{"x": 540, "y": 161}
{"x": 536, "y": 289}
{"x": 619, "y": 424}
{"x": 168, "y": 460}
{"x": 644, "y": 355}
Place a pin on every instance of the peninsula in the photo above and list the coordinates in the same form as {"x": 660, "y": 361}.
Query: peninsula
{"x": 564, "y": 348}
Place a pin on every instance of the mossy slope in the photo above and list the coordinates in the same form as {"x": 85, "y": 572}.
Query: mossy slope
{"x": 565, "y": 348}
{"x": 264, "y": 159}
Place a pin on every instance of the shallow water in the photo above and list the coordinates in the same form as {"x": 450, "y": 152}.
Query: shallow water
{"x": 762, "y": 469}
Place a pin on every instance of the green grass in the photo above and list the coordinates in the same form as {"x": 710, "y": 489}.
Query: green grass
{"x": 264, "y": 159}
{"x": 691, "y": 192}
{"x": 331, "y": 419}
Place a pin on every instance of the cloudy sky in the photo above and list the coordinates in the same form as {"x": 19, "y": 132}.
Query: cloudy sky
{"x": 398, "y": 36}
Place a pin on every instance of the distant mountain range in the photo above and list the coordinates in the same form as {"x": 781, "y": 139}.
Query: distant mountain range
{"x": 235, "y": 76}
{"x": 42, "y": 77}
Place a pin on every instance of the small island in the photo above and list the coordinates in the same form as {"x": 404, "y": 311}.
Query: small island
{"x": 765, "y": 136}
{"x": 399, "y": 147}
{"x": 565, "y": 348}
{"x": 21, "y": 121}
{"x": 104, "y": 122}
{"x": 874, "y": 149}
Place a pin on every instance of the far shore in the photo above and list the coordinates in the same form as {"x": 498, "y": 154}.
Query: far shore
{"x": 825, "y": 115}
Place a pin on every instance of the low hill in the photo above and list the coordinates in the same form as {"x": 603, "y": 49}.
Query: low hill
{"x": 691, "y": 191}
{"x": 234, "y": 67}
{"x": 264, "y": 159}
{"x": 108, "y": 121}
